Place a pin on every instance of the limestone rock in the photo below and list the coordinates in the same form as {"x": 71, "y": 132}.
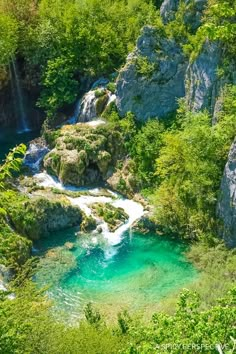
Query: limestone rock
{"x": 85, "y": 155}
{"x": 123, "y": 179}
{"x": 227, "y": 201}
{"x": 153, "y": 77}
{"x": 201, "y": 79}
{"x": 168, "y": 9}
{"x": 193, "y": 13}
{"x": 37, "y": 217}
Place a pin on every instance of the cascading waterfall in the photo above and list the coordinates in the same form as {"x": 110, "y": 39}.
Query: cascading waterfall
{"x": 23, "y": 126}
{"x": 133, "y": 209}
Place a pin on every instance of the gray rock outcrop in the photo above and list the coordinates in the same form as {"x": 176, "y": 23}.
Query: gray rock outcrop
{"x": 226, "y": 209}
{"x": 192, "y": 16}
{"x": 201, "y": 82}
{"x": 168, "y": 9}
{"x": 153, "y": 78}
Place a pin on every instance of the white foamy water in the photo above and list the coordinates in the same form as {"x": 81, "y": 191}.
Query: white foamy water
{"x": 133, "y": 209}
{"x": 47, "y": 181}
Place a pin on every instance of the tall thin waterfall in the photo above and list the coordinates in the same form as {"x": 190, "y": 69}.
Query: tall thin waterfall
{"x": 23, "y": 126}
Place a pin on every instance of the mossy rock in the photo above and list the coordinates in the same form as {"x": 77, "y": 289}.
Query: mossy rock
{"x": 88, "y": 224}
{"x": 85, "y": 155}
{"x": 113, "y": 216}
{"x": 101, "y": 104}
{"x": 37, "y": 217}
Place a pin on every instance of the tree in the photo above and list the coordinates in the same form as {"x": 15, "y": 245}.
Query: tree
{"x": 60, "y": 87}
{"x": 145, "y": 149}
{"x": 8, "y": 38}
{"x": 12, "y": 164}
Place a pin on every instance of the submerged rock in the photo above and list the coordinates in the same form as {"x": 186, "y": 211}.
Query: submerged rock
{"x": 35, "y": 153}
{"x": 153, "y": 77}
{"x": 69, "y": 245}
{"x": 227, "y": 200}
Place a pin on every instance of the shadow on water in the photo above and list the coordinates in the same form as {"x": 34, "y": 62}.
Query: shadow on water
{"x": 9, "y": 138}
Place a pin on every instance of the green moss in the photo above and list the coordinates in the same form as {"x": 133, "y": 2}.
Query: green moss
{"x": 100, "y": 93}
{"x": 114, "y": 217}
{"x": 88, "y": 224}
{"x": 144, "y": 67}
{"x": 14, "y": 249}
{"x": 101, "y": 103}
{"x": 111, "y": 87}
{"x": 82, "y": 148}
{"x": 37, "y": 217}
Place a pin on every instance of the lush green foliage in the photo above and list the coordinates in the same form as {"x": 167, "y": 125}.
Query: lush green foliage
{"x": 145, "y": 149}
{"x": 189, "y": 330}
{"x": 217, "y": 266}
{"x": 12, "y": 164}
{"x": 219, "y": 24}
{"x": 65, "y": 41}
{"x": 8, "y": 38}
{"x": 14, "y": 249}
{"x": 190, "y": 168}
{"x": 60, "y": 87}
{"x": 26, "y": 326}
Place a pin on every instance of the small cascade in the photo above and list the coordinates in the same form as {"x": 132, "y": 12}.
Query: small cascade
{"x": 87, "y": 110}
{"x": 93, "y": 103}
{"x": 23, "y": 126}
{"x": 133, "y": 209}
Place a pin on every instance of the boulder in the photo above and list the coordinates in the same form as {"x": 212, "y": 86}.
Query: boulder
{"x": 38, "y": 217}
{"x": 84, "y": 154}
{"x": 123, "y": 179}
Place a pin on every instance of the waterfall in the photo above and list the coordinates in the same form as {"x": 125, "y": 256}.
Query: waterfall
{"x": 23, "y": 126}
{"x": 133, "y": 209}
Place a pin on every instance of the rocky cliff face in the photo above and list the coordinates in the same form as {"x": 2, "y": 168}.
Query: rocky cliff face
{"x": 227, "y": 200}
{"x": 157, "y": 73}
{"x": 193, "y": 13}
{"x": 201, "y": 79}
{"x": 153, "y": 77}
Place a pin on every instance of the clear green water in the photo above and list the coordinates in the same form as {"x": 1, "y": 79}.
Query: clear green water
{"x": 9, "y": 139}
{"x": 135, "y": 274}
